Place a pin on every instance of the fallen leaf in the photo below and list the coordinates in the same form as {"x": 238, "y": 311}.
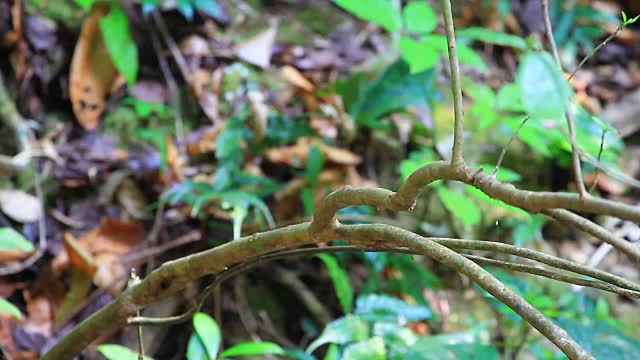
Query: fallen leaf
{"x": 295, "y": 77}
{"x": 20, "y": 206}
{"x": 257, "y": 50}
{"x": 111, "y": 274}
{"x": 79, "y": 256}
{"x": 296, "y": 155}
{"x": 112, "y": 236}
{"x": 39, "y": 314}
{"x": 92, "y": 72}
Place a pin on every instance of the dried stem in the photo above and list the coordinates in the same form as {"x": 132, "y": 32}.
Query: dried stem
{"x": 595, "y": 50}
{"x": 597, "y": 172}
{"x": 504, "y": 149}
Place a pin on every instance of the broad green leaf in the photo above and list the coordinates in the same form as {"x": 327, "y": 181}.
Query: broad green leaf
{"x": 315, "y": 163}
{"x": 466, "y": 55}
{"x": 228, "y": 142}
{"x": 509, "y": 99}
{"x": 11, "y": 239}
{"x": 117, "y": 37}
{"x": 342, "y": 331}
{"x": 119, "y": 352}
{"x": 543, "y": 88}
{"x": 395, "y": 336}
{"x": 601, "y": 339}
{"x": 381, "y": 12}
{"x": 374, "y": 307}
{"x": 416, "y": 160}
{"x": 209, "y": 7}
{"x": 394, "y": 89}
{"x": 253, "y": 348}
{"x": 208, "y": 332}
{"x": 420, "y": 55}
{"x": 195, "y": 349}
{"x": 493, "y": 37}
{"x": 483, "y": 106}
{"x": 8, "y": 308}
{"x": 451, "y": 346}
{"x": 340, "y": 280}
{"x": 478, "y": 194}
{"x": 419, "y": 17}
{"x": 460, "y": 206}
{"x": 237, "y": 198}
{"x": 370, "y": 349}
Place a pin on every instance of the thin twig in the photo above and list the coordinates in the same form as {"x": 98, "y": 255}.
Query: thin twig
{"x": 456, "y": 85}
{"x": 595, "y": 50}
{"x": 577, "y": 167}
{"x": 504, "y": 149}
{"x": 597, "y": 172}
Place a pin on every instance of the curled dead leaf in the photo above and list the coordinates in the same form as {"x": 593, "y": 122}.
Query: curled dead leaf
{"x": 111, "y": 274}
{"x": 112, "y": 236}
{"x": 296, "y": 155}
{"x": 92, "y": 73}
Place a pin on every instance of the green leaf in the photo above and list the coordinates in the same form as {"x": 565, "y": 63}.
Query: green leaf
{"x": 420, "y": 55}
{"x": 11, "y": 239}
{"x": 451, "y": 346}
{"x": 543, "y": 88}
{"x": 460, "y": 206}
{"x": 342, "y": 331}
{"x": 85, "y": 4}
{"x": 195, "y": 349}
{"x": 122, "y": 49}
{"x": 8, "y": 308}
{"x": 478, "y": 194}
{"x": 493, "y": 37}
{"x": 504, "y": 174}
{"x": 333, "y": 353}
{"x": 419, "y": 17}
{"x": 208, "y": 332}
{"x": 119, "y": 352}
{"x": 509, "y": 98}
{"x": 375, "y": 307}
{"x": 381, "y": 12}
{"x": 468, "y": 56}
{"x": 209, "y": 7}
{"x": 340, "y": 280}
{"x": 394, "y": 89}
{"x": 416, "y": 160}
{"x": 369, "y": 349}
{"x": 315, "y": 163}
{"x": 253, "y": 348}
{"x": 237, "y": 198}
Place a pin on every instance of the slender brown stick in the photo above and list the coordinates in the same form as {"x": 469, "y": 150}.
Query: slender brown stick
{"x": 595, "y": 50}
{"x": 577, "y": 167}
{"x": 504, "y": 149}
{"x": 456, "y": 85}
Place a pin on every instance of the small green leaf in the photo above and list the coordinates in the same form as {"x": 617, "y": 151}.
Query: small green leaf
{"x": 369, "y": 349}
{"x": 509, "y": 98}
{"x": 493, "y": 37}
{"x": 342, "y": 331}
{"x": 237, "y": 198}
{"x": 315, "y": 163}
{"x": 624, "y": 17}
{"x": 340, "y": 280}
{"x": 195, "y": 349}
{"x": 208, "y": 332}
{"x": 377, "y": 307}
{"x": 85, "y": 4}
{"x": 11, "y": 239}
{"x": 543, "y": 88}
{"x": 8, "y": 308}
{"x": 460, "y": 206}
{"x": 117, "y": 37}
{"x": 209, "y": 7}
{"x": 420, "y": 55}
{"x": 381, "y": 12}
{"x": 119, "y": 352}
{"x": 333, "y": 353}
{"x": 419, "y": 17}
{"x": 504, "y": 174}
{"x": 253, "y": 348}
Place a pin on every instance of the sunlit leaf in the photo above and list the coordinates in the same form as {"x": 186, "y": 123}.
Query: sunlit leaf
{"x": 493, "y": 37}
{"x": 119, "y": 352}
{"x": 420, "y": 55}
{"x": 419, "y": 17}
{"x": 195, "y": 349}
{"x": 253, "y": 348}
{"x": 463, "y": 208}
{"x": 8, "y": 308}
{"x": 315, "y": 163}
{"x": 208, "y": 332}
{"x": 11, "y": 239}
{"x": 369, "y": 349}
{"x": 379, "y": 307}
{"x": 381, "y": 12}
{"x": 333, "y": 353}
{"x": 342, "y": 331}
{"x": 543, "y": 88}
{"x": 340, "y": 280}
{"x": 117, "y": 37}
{"x": 504, "y": 174}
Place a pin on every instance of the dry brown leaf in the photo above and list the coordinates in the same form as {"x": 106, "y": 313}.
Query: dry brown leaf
{"x": 296, "y": 78}
{"x": 296, "y": 155}
{"x": 112, "y": 236}
{"x": 111, "y": 274}
{"x": 79, "y": 256}
{"x": 203, "y": 140}
{"x": 92, "y": 74}
{"x": 174, "y": 159}
{"x": 39, "y": 314}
